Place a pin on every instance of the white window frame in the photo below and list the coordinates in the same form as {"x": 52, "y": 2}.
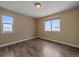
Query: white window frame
{"x": 51, "y": 25}
{"x": 2, "y": 25}
{"x": 44, "y": 26}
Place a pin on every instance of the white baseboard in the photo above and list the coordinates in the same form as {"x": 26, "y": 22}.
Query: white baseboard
{"x": 59, "y": 42}
{"x": 16, "y": 42}
{"x": 39, "y": 37}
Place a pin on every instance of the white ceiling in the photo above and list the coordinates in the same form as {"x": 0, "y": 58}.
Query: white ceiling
{"x": 47, "y": 8}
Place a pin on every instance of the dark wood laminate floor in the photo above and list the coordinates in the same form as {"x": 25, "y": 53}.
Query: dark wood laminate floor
{"x": 38, "y": 48}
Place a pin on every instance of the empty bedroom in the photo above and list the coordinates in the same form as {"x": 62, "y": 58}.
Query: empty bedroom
{"x": 39, "y": 28}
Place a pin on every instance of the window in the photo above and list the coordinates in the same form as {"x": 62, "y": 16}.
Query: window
{"x": 48, "y": 25}
{"x": 52, "y": 25}
{"x": 56, "y": 25}
{"x": 7, "y": 22}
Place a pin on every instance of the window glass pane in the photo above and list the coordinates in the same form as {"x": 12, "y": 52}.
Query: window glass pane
{"x": 7, "y": 19}
{"x": 47, "y": 25}
{"x": 7, "y": 27}
{"x": 56, "y": 25}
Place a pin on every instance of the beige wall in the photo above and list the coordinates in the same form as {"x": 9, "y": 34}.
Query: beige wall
{"x": 69, "y": 27}
{"x": 24, "y": 27}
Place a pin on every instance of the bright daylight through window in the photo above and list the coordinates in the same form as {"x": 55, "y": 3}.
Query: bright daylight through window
{"x": 52, "y": 25}
{"x": 7, "y": 23}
